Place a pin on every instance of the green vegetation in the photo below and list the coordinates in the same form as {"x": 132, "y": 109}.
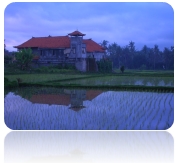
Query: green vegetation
{"x": 7, "y": 59}
{"x": 56, "y": 76}
{"x": 121, "y": 80}
{"x": 151, "y": 73}
{"x": 122, "y": 68}
{"x": 10, "y": 84}
{"x": 13, "y": 69}
{"x": 148, "y": 58}
{"x": 96, "y": 81}
{"x": 24, "y": 58}
{"x": 33, "y": 78}
{"x": 104, "y": 66}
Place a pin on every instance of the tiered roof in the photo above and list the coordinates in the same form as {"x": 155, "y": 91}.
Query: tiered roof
{"x": 76, "y": 33}
{"x": 53, "y": 42}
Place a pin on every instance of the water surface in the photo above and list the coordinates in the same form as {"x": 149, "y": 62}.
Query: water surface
{"x": 67, "y": 109}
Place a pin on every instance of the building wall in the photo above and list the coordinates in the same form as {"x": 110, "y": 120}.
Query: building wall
{"x": 76, "y": 54}
{"x": 49, "y": 53}
{"x": 35, "y": 51}
{"x": 97, "y": 55}
{"x": 81, "y": 65}
{"x": 75, "y": 43}
{"x": 78, "y": 48}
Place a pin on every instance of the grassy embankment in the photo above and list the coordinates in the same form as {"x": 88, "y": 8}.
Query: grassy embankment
{"x": 75, "y": 79}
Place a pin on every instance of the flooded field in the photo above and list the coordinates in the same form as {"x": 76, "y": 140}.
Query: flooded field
{"x": 125, "y": 80}
{"x": 67, "y": 109}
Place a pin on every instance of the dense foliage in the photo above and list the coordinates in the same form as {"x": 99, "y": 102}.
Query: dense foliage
{"x": 104, "y": 65}
{"x": 10, "y": 84}
{"x": 144, "y": 59}
{"x": 24, "y": 58}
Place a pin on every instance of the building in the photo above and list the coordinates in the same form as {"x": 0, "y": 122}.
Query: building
{"x": 72, "y": 98}
{"x": 70, "y": 49}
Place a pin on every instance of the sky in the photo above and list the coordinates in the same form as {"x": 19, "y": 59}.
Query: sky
{"x": 150, "y": 23}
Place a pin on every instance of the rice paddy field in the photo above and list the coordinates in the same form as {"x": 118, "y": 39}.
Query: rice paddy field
{"x": 124, "y": 80}
{"x": 110, "y": 110}
{"x": 33, "y": 78}
{"x": 134, "y": 77}
{"x": 133, "y": 100}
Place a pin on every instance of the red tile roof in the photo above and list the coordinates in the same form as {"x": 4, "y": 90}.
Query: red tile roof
{"x": 58, "y": 42}
{"x": 92, "y": 46}
{"x": 76, "y": 33}
{"x": 61, "y": 99}
{"x": 46, "y": 42}
{"x": 51, "y": 99}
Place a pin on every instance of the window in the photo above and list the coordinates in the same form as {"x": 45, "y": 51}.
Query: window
{"x": 83, "y": 51}
{"x": 43, "y": 53}
{"x": 74, "y": 50}
{"x": 50, "y": 52}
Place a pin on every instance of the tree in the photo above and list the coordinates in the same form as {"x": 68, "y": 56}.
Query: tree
{"x": 5, "y": 50}
{"x": 126, "y": 57}
{"x": 115, "y": 52}
{"x": 146, "y": 58}
{"x": 156, "y": 55}
{"x": 4, "y": 46}
{"x": 113, "y": 49}
{"x": 172, "y": 58}
{"x": 131, "y": 47}
{"x": 104, "y": 44}
{"x": 122, "y": 68}
{"x": 24, "y": 58}
{"x": 145, "y": 53}
{"x": 144, "y": 50}
{"x": 168, "y": 56}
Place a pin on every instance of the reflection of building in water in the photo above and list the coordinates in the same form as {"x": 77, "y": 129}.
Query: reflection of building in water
{"x": 76, "y": 98}
{"x": 72, "y": 98}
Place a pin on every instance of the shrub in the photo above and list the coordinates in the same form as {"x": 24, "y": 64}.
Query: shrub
{"x": 104, "y": 65}
{"x": 7, "y": 59}
{"x": 24, "y": 58}
{"x": 6, "y": 80}
{"x": 143, "y": 67}
{"x": 19, "y": 80}
{"x": 122, "y": 68}
{"x": 10, "y": 84}
{"x": 68, "y": 66}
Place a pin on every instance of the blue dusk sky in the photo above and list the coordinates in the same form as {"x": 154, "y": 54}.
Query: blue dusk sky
{"x": 120, "y": 22}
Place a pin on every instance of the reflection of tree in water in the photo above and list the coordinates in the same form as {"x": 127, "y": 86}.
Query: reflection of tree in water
{"x": 28, "y": 92}
{"x": 132, "y": 82}
{"x": 144, "y": 81}
{"x": 168, "y": 82}
{"x": 76, "y": 98}
{"x": 155, "y": 82}
{"x": 151, "y": 81}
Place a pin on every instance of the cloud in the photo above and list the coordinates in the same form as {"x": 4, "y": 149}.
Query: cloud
{"x": 116, "y": 22}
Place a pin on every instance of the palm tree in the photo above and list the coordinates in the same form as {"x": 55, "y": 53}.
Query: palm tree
{"x": 104, "y": 44}
{"x": 156, "y": 54}
{"x": 144, "y": 49}
{"x": 168, "y": 55}
{"x": 126, "y": 57}
{"x": 132, "y": 51}
{"x": 132, "y": 46}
